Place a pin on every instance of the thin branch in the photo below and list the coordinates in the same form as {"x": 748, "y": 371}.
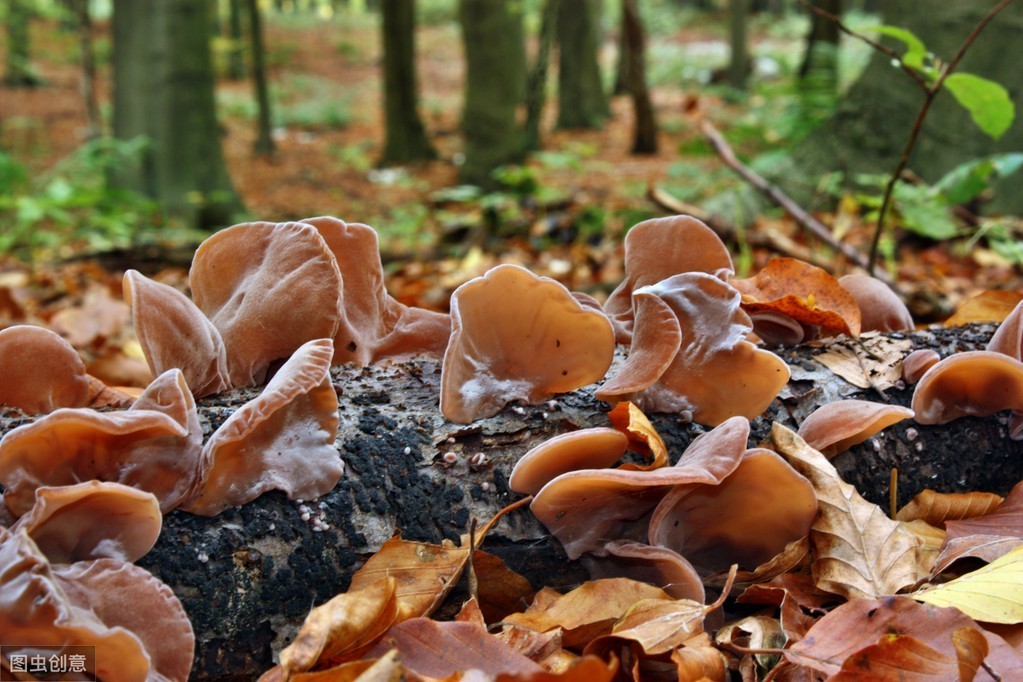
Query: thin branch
{"x": 930, "y": 93}
{"x": 775, "y": 194}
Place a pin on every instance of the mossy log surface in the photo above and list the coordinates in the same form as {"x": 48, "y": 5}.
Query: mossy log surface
{"x": 249, "y": 576}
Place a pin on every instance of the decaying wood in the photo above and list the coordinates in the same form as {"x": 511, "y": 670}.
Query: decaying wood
{"x": 248, "y": 577}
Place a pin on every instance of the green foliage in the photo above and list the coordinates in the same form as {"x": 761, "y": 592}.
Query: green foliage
{"x": 72, "y": 205}
{"x": 988, "y": 103}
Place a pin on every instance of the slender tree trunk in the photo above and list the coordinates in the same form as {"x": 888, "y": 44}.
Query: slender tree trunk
{"x": 536, "y": 94}
{"x": 820, "y": 60}
{"x": 582, "y": 102}
{"x": 88, "y": 78}
{"x": 163, "y": 91}
{"x": 738, "y": 64}
{"x": 406, "y": 135}
{"x": 264, "y": 138}
{"x": 493, "y": 89}
{"x": 621, "y": 84}
{"x": 236, "y": 69}
{"x": 645, "y": 131}
{"x": 19, "y": 72}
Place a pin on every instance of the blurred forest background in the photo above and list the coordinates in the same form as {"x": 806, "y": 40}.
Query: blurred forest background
{"x": 471, "y": 132}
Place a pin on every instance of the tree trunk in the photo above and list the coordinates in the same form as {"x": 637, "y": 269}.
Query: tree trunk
{"x": 236, "y": 56}
{"x": 88, "y": 61}
{"x": 20, "y": 73}
{"x": 493, "y": 88}
{"x": 644, "y": 139}
{"x": 406, "y": 135}
{"x": 264, "y": 137}
{"x": 582, "y": 102}
{"x": 820, "y": 60}
{"x": 163, "y": 90}
{"x": 869, "y": 129}
{"x": 536, "y": 89}
{"x": 738, "y": 63}
{"x": 248, "y": 577}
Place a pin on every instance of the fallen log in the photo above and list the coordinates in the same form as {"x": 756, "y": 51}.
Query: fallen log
{"x": 248, "y": 577}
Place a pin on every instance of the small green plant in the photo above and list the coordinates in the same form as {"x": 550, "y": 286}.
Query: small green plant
{"x": 72, "y": 205}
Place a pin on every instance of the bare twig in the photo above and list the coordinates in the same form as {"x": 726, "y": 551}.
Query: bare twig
{"x": 775, "y": 194}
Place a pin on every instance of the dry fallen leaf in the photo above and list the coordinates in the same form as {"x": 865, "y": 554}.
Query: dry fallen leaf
{"x": 424, "y": 573}
{"x": 858, "y": 551}
{"x": 873, "y": 360}
{"x": 660, "y": 626}
{"x": 897, "y": 658}
{"x": 588, "y": 611}
{"x": 993, "y": 593}
{"x": 971, "y": 650}
{"x": 992, "y": 305}
{"x": 342, "y": 628}
{"x": 988, "y": 536}
{"x": 499, "y": 590}
{"x": 801, "y": 604}
{"x": 643, "y": 437}
{"x": 936, "y": 508}
{"x": 699, "y": 659}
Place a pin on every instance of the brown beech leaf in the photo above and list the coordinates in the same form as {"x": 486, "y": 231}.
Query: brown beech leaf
{"x": 858, "y": 551}
{"x": 936, "y": 508}
{"x": 985, "y": 537}
{"x": 584, "y": 669}
{"x": 643, "y": 437}
{"x": 930, "y": 540}
{"x": 755, "y": 632}
{"x": 588, "y": 611}
{"x": 499, "y": 589}
{"x": 897, "y": 658}
{"x": 804, "y": 292}
{"x": 542, "y": 647}
{"x": 424, "y": 573}
{"x": 660, "y": 626}
{"x": 801, "y": 604}
{"x": 993, "y": 305}
{"x": 872, "y": 360}
{"x": 367, "y": 670}
{"x": 971, "y": 650}
{"x": 700, "y": 660}
{"x": 861, "y": 623}
{"x": 435, "y": 649}
{"x": 345, "y": 625}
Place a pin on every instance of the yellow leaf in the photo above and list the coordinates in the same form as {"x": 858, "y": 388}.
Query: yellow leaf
{"x": 992, "y": 594}
{"x": 858, "y": 551}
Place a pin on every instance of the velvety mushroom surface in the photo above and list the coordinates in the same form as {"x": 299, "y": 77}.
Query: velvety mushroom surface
{"x": 517, "y": 336}
{"x": 880, "y": 308}
{"x": 837, "y": 426}
{"x": 584, "y": 449}
{"x": 657, "y": 249}
{"x": 977, "y": 383}
{"x": 40, "y": 371}
{"x": 715, "y": 373}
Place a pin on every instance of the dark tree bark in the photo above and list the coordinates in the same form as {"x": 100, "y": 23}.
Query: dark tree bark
{"x": 738, "y": 63}
{"x": 264, "y": 144}
{"x": 493, "y": 88}
{"x": 820, "y": 60}
{"x": 872, "y": 122}
{"x": 248, "y": 577}
{"x": 163, "y": 91}
{"x": 582, "y": 102}
{"x": 536, "y": 89}
{"x": 236, "y": 69}
{"x": 19, "y": 73}
{"x": 88, "y": 62}
{"x": 644, "y": 139}
{"x": 406, "y": 135}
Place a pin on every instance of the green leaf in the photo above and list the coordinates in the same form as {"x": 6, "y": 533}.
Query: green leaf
{"x": 992, "y": 594}
{"x": 966, "y": 181}
{"x": 988, "y": 102}
{"x": 916, "y": 51}
{"x": 925, "y": 212}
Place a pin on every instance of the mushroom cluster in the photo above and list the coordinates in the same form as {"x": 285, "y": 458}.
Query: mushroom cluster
{"x": 694, "y": 518}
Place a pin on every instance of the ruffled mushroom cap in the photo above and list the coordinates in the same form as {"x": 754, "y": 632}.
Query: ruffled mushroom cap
{"x": 40, "y": 371}
{"x": 657, "y": 249}
{"x": 837, "y": 426}
{"x": 1008, "y": 338}
{"x": 596, "y": 448}
{"x": 174, "y": 333}
{"x": 880, "y": 308}
{"x": 658, "y": 566}
{"x": 126, "y": 597}
{"x": 747, "y": 518}
{"x": 715, "y": 373}
{"x": 35, "y": 611}
{"x": 977, "y": 383}
{"x": 267, "y": 288}
{"x": 584, "y": 509}
{"x": 777, "y": 329}
{"x": 802, "y": 291}
{"x": 92, "y": 520}
{"x": 517, "y": 336}
{"x": 153, "y": 446}
{"x": 917, "y": 363}
{"x": 375, "y": 325}
{"x": 283, "y": 439}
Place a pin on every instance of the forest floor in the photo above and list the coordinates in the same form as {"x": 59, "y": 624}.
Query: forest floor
{"x": 563, "y": 214}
